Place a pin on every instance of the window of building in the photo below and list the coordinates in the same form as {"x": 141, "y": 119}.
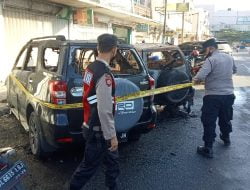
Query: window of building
{"x": 142, "y": 2}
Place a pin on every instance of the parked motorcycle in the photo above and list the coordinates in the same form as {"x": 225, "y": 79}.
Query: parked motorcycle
{"x": 10, "y": 173}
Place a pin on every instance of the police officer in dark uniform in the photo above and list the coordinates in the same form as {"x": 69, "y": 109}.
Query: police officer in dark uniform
{"x": 98, "y": 127}
{"x": 219, "y": 96}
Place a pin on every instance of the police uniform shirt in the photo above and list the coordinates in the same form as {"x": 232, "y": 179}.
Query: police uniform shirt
{"x": 217, "y": 73}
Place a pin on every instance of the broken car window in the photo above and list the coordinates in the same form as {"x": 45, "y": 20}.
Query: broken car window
{"x": 162, "y": 59}
{"x": 51, "y": 56}
{"x": 124, "y": 62}
{"x": 32, "y": 59}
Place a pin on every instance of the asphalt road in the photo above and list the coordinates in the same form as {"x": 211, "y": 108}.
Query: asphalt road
{"x": 164, "y": 159}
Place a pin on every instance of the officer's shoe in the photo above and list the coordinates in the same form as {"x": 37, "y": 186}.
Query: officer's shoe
{"x": 113, "y": 188}
{"x": 205, "y": 151}
{"x": 226, "y": 140}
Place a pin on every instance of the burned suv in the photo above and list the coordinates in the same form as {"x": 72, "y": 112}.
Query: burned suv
{"x": 45, "y": 91}
{"x": 167, "y": 65}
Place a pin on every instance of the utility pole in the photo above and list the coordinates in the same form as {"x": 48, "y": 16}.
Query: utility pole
{"x": 164, "y": 25}
{"x": 182, "y": 30}
{"x": 197, "y": 26}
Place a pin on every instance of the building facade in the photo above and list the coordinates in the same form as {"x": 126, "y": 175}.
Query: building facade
{"x": 227, "y": 19}
{"x": 21, "y": 20}
{"x": 133, "y": 21}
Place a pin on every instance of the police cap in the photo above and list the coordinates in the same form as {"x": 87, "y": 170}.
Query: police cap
{"x": 106, "y": 42}
{"x": 209, "y": 43}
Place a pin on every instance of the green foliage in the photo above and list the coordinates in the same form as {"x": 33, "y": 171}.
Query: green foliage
{"x": 232, "y": 35}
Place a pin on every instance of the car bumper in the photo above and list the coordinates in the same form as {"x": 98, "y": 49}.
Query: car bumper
{"x": 59, "y": 133}
{"x": 145, "y": 125}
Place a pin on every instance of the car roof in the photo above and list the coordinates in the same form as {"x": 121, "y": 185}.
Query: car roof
{"x": 154, "y": 46}
{"x": 221, "y": 42}
{"x": 194, "y": 43}
{"x": 62, "y": 40}
{"x": 92, "y": 43}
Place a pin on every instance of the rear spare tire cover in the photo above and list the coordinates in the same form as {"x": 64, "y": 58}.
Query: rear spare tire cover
{"x": 127, "y": 113}
{"x": 173, "y": 77}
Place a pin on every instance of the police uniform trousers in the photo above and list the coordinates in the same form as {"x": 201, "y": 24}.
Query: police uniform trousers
{"x": 96, "y": 153}
{"x": 216, "y": 106}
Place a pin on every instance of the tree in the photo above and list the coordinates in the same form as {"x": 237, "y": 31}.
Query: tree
{"x": 231, "y": 35}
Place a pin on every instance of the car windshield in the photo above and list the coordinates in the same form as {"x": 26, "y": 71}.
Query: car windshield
{"x": 161, "y": 59}
{"x": 224, "y": 47}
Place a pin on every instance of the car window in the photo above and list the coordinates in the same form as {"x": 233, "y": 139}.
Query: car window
{"x": 161, "y": 59}
{"x": 21, "y": 60}
{"x": 50, "y": 59}
{"x": 125, "y": 61}
{"x": 82, "y": 58}
{"x": 31, "y": 63}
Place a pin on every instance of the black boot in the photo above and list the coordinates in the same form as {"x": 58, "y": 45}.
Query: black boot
{"x": 113, "y": 188}
{"x": 225, "y": 139}
{"x": 205, "y": 151}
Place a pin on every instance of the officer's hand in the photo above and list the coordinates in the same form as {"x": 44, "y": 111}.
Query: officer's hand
{"x": 114, "y": 144}
{"x": 195, "y": 81}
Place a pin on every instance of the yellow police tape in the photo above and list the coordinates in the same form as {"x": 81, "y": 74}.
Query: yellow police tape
{"x": 139, "y": 94}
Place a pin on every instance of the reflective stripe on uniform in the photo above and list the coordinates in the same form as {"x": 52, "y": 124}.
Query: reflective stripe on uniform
{"x": 93, "y": 101}
{"x": 91, "y": 98}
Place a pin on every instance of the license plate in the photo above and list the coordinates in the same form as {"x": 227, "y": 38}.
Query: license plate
{"x": 12, "y": 176}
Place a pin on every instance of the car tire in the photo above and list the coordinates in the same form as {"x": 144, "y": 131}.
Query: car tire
{"x": 173, "y": 77}
{"x": 35, "y": 136}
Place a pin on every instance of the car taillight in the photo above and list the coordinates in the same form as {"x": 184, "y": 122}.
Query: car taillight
{"x": 152, "y": 86}
{"x": 151, "y": 82}
{"x": 58, "y": 90}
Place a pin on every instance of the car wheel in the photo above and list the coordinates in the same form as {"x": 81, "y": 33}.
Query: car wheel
{"x": 173, "y": 77}
{"x": 35, "y": 136}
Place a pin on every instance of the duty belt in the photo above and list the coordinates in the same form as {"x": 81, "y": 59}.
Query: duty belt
{"x": 94, "y": 128}
{"x": 97, "y": 128}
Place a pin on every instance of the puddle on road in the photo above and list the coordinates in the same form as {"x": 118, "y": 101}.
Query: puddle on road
{"x": 241, "y": 96}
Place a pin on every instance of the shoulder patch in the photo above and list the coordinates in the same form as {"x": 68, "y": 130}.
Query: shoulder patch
{"x": 88, "y": 76}
{"x": 108, "y": 80}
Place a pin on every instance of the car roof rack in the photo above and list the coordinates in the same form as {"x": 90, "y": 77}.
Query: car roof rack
{"x": 58, "y": 37}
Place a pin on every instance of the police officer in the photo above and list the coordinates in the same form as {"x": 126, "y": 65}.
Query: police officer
{"x": 219, "y": 96}
{"x": 98, "y": 126}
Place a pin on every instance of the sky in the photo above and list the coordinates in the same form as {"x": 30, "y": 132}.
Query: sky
{"x": 225, "y": 4}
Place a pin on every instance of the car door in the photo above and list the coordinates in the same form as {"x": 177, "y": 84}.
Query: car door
{"x": 12, "y": 84}
{"x": 80, "y": 58}
{"x": 25, "y": 78}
